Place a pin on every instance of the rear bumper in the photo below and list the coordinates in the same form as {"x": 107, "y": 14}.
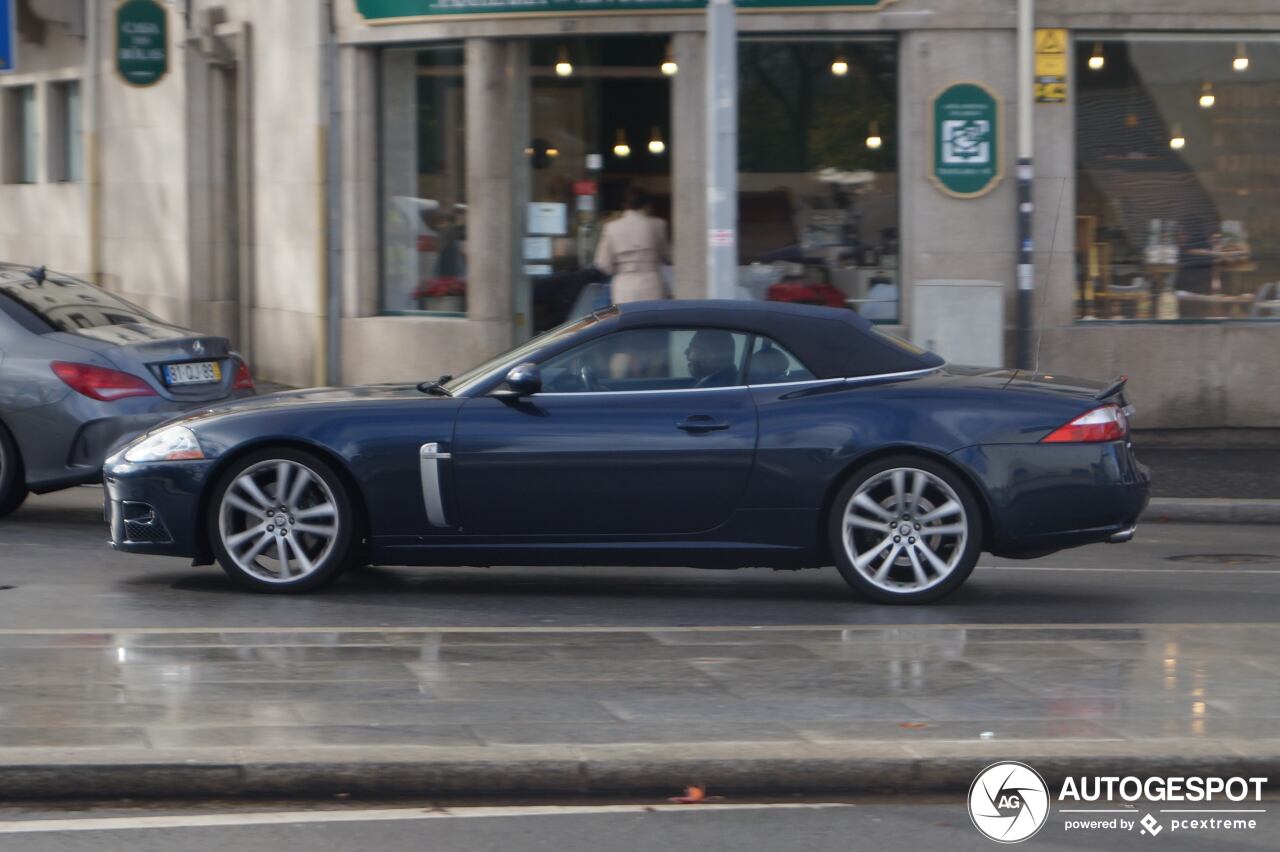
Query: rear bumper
{"x": 155, "y": 507}
{"x": 67, "y": 443}
{"x": 1052, "y": 496}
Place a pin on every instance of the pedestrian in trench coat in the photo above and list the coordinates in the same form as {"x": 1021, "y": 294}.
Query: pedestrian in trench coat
{"x": 632, "y": 249}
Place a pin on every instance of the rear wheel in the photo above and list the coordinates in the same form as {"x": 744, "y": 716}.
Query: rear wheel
{"x": 905, "y": 530}
{"x": 13, "y": 484}
{"x": 280, "y": 521}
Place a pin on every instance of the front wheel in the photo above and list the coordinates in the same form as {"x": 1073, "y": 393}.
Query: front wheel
{"x": 905, "y": 530}
{"x": 280, "y": 521}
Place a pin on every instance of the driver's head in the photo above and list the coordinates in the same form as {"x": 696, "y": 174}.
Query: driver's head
{"x": 709, "y": 352}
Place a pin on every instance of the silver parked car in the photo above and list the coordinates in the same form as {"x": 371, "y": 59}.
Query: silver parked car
{"x": 83, "y": 371}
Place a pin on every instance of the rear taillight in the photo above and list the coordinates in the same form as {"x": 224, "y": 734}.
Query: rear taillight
{"x": 1107, "y": 423}
{"x": 243, "y": 379}
{"x": 99, "y": 382}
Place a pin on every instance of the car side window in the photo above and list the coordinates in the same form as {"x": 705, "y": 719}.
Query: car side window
{"x": 649, "y": 359}
{"x": 771, "y": 363}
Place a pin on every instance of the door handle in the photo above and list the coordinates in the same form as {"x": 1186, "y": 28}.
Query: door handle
{"x": 701, "y": 423}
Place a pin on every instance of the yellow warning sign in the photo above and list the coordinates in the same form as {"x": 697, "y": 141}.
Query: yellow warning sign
{"x": 1051, "y": 93}
{"x": 1051, "y": 65}
{"x": 1051, "y": 41}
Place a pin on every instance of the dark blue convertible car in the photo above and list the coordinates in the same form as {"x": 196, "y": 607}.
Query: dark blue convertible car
{"x": 706, "y": 434}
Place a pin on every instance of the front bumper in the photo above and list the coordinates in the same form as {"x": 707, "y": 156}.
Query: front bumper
{"x": 155, "y": 507}
{"x": 1050, "y": 496}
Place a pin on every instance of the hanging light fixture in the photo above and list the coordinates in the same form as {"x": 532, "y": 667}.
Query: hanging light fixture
{"x": 840, "y": 66}
{"x": 656, "y": 145}
{"x": 1241, "y": 62}
{"x": 1207, "y": 98}
{"x": 1097, "y": 60}
{"x": 1176, "y": 140}
{"x": 669, "y": 67}
{"x": 620, "y": 146}
{"x": 873, "y": 136}
{"x": 564, "y": 67}
{"x": 553, "y": 152}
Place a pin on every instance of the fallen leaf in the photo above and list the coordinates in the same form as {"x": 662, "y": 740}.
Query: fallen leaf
{"x": 692, "y": 795}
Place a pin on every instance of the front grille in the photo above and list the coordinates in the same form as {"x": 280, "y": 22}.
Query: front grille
{"x": 153, "y": 533}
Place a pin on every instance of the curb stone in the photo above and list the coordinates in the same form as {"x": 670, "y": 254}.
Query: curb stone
{"x": 1211, "y": 510}
{"x": 777, "y": 769}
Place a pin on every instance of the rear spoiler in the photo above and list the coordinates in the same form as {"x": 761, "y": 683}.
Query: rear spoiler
{"x": 1115, "y": 387}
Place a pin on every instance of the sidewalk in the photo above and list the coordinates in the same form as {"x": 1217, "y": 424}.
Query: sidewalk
{"x": 765, "y": 711}
{"x": 1212, "y": 485}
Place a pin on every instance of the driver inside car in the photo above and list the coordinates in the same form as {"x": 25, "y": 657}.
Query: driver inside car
{"x": 710, "y": 358}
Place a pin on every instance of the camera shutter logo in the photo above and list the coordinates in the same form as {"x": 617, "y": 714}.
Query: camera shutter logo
{"x": 1009, "y": 802}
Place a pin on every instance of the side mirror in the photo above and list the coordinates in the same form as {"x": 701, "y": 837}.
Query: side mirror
{"x": 524, "y": 379}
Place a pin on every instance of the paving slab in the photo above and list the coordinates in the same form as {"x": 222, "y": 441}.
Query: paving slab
{"x": 847, "y": 709}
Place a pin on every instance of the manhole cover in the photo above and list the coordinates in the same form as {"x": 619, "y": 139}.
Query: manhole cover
{"x": 1225, "y": 558}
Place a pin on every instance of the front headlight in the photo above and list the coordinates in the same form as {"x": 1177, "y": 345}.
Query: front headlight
{"x": 173, "y": 444}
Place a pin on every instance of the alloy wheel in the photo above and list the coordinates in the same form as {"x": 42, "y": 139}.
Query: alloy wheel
{"x": 278, "y": 521}
{"x": 905, "y": 530}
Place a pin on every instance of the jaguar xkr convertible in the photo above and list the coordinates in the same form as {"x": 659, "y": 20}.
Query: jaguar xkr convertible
{"x": 704, "y": 434}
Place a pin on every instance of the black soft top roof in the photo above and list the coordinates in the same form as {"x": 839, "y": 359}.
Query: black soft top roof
{"x": 832, "y": 342}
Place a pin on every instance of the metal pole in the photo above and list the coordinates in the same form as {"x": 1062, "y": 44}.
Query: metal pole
{"x": 332, "y": 147}
{"x": 722, "y": 150}
{"x": 92, "y": 151}
{"x": 1026, "y": 263}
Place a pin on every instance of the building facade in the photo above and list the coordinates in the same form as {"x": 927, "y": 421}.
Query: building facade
{"x": 381, "y": 190}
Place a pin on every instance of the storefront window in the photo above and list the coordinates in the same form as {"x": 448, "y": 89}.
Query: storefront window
{"x": 423, "y": 181}
{"x": 818, "y": 163}
{"x": 1177, "y": 177}
{"x": 600, "y": 129}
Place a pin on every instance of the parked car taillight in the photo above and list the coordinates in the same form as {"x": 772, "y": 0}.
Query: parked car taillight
{"x": 243, "y": 379}
{"x": 100, "y": 382}
{"x": 1107, "y": 423}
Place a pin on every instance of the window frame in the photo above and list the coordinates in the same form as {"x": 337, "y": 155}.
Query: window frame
{"x": 384, "y": 197}
{"x": 64, "y": 120}
{"x": 1083, "y": 40}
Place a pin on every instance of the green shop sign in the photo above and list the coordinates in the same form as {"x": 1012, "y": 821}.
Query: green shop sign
{"x": 142, "y": 42}
{"x": 964, "y": 138}
{"x": 392, "y": 11}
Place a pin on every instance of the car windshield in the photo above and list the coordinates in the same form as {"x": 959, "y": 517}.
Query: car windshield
{"x": 510, "y": 358}
{"x": 66, "y": 304}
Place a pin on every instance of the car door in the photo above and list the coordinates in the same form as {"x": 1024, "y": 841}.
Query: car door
{"x": 632, "y": 435}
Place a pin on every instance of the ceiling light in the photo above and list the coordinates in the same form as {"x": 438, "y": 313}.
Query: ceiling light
{"x": 840, "y": 67}
{"x": 1207, "y": 98}
{"x": 1241, "y": 62}
{"x": 873, "y": 136}
{"x": 669, "y": 66}
{"x": 564, "y": 67}
{"x": 620, "y": 147}
{"x": 1097, "y": 60}
{"x": 656, "y": 145}
{"x": 1176, "y": 140}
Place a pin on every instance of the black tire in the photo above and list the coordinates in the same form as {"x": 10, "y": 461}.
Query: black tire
{"x": 899, "y": 582}
{"x": 13, "y": 477}
{"x": 329, "y": 556}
